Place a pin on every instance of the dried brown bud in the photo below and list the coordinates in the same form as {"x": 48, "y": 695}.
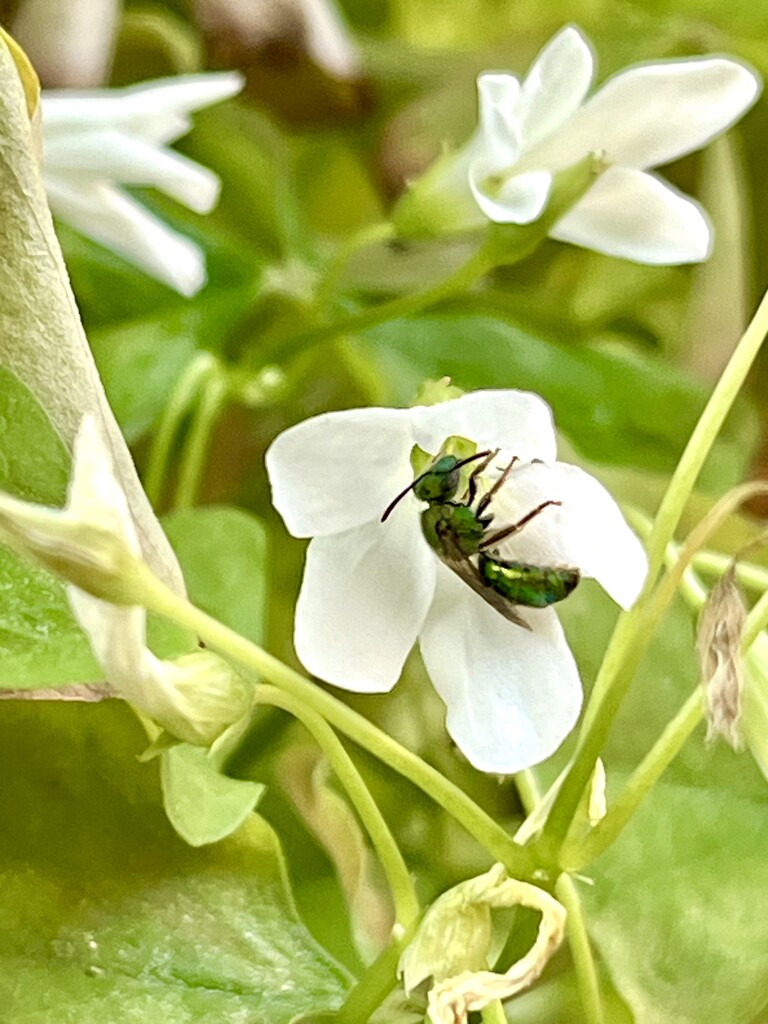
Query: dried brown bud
{"x": 718, "y": 642}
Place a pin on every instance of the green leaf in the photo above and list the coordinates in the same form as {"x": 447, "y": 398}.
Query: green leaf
{"x": 616, "y": 406}
{"x": 203, "y": 805}
{"x": 676, "y": 907}
{"x": 223, "y": 552}
{"x": 107, "y": 916}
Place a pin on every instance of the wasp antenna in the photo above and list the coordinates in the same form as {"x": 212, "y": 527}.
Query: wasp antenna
{"x": 400, "y": 497}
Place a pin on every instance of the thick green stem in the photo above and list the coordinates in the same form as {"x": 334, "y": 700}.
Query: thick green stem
{"x": 404, "y": 896}
{"x": 634, "y": 627}
{"x": 177, "y": 407}
{"x": 491, "y": 836}
{"x": 375, "y": 984}
{"x": 643, "y": 779}
{"x": 581, "y": 949}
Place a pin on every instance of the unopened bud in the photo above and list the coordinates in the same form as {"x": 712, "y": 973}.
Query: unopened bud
{"x": 92, "y": 558}
{"x": 718, "y": 642}
{"x": 202, "y": 697}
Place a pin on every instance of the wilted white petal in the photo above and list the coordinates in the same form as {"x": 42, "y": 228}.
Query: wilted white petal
{"x": 110, "y": 155}
{"x": 654, "y": 113}
{"x": 555, "y": 85}
{"x": 339, "y": 470}
{"x": 115, "y": 220}
{"x": 517, "y": 199}
{"x": 587, "y": 532}
{"x": 634, "y": 215}
{"x": 363, "y": 600}
{"x": 512, "y": 695}
{"x": 518, "y": 421}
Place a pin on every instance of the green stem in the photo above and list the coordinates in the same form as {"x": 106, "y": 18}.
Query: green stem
{"x": 175, "y": 410}
{"x": 756, "y": 622}
{"x": 368, "y": 235}
{"x": 703, "y": 437}
{"x": 578, "y": 939}
{"x": 581, "y": 949}
{"x": 404, "y": 896}
{"x": 376, "y": 983}
{"x": 643, "y": 779}
{"x": 488, "y": 833}
{"x": 631, "y": 637}
{"x": 755, "y": 577}
{"x": 405, "y": 305}
{"x": 215, "y": 391}
{"x": 493, "y": 1013}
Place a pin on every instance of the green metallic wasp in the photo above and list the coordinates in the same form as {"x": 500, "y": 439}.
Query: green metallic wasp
{"x": 458, "y": 531}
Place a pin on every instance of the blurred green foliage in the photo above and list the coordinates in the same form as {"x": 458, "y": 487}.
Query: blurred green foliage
{"x": 107, "y": 914}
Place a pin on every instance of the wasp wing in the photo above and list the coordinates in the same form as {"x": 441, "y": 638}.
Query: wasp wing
{"x": 452, "y": 556}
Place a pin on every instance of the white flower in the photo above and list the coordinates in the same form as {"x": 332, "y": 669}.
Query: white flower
{"x": 96, "y": 141}
{"x": 371, "y": 589}
{"x": 645, "y": 116}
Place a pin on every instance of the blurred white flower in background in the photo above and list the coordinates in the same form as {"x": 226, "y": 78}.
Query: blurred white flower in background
{"x": 643, "y": 117}
{"x": 371, "y": 589}
{"x": 97, "y": 141}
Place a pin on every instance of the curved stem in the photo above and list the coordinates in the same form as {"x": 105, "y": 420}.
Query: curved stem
{"x": 375, "y": 984}
{"x": 627, "y": 646}
{"x": 406, "y": 902}
{"x": 366, "y": 236}
{"x": 175, "y": 410}
{"x": 405, "y": 305}
{"x": 642, "y": 780}
{"x": 214, "y": 395}
{"x": 708, "y": 427}
{"x": 581, "y": 949}
{"x": 254, "y": 660}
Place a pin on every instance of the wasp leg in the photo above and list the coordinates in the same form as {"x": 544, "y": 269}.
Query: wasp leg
{"x": 508, "y": 531}
{"x": 488, "y": 498}
{"x": 480, "y": 468}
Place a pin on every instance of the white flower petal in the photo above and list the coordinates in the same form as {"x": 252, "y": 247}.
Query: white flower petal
{"x": 498, "y": 95}
{"x": 556, "y": 85}
{"x": 132, "y": 161}
{"x": 339, "y": 470}
{"x": 519, "y": 199}
{"x": 95, "y": 495}
{"x": 512, "y": 695}
{"x": 157, "y": 110}
{"x": 634, "y": 215}
{"x": 654, "y": 113}
{"x": 587, "y": 531}
{"x": 363, "y": 600}
{"x": 515, "y": 420}
{"x": 117, "y": 221}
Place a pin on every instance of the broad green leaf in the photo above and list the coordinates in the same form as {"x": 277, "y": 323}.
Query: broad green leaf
{"x": 677, "y": 904}
{"x": 615, "y": 406}
{"x": 107, "y": 916}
